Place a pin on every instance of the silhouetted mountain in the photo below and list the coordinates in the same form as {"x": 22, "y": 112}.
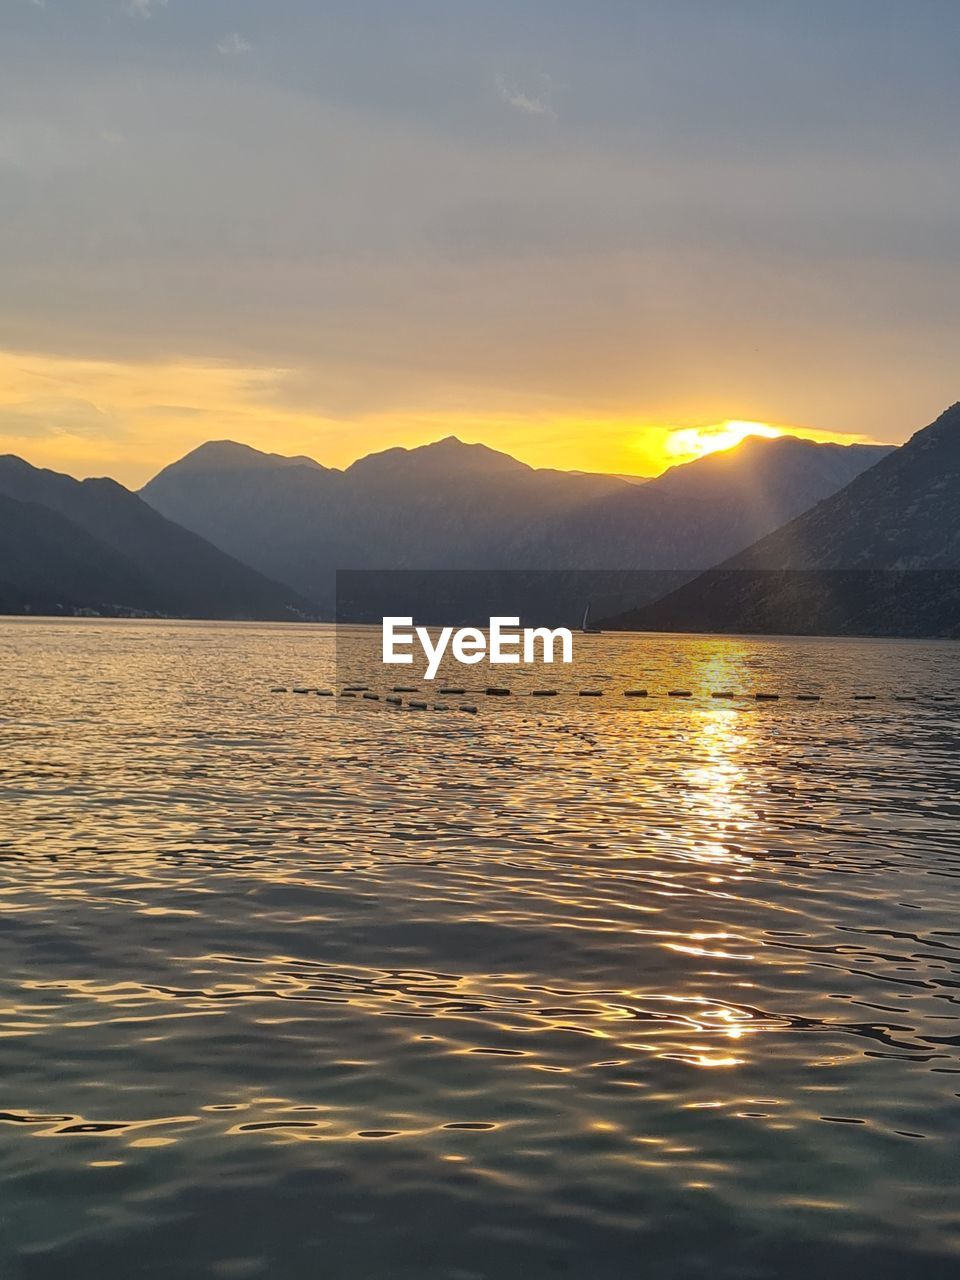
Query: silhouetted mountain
{"x": 49, "y": 564}
{"x": 903, "y": 514}
{"x": 773, "y": 479}
{"x": 615, "y": 475}
{"x": 217, "y": 455}
{"x": 67, "y": 544}
{"x": 452, "y": 505}
{"x": 880, "y": 557}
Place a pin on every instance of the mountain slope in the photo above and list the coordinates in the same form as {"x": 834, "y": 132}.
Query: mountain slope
{"x": 49, "y": 564}
{"x": 903, "y": 514}
{"x": 452, "y": 505}
{"x": 881, "y": 557}
{"x": 774, "y": 479}
{"x": 104, "y": 547}
{"x": 217, "y": 455}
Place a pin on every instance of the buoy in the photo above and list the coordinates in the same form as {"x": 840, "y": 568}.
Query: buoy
{"x": 417, "y": 706}
{"x": 372, "y": 697}
{"x": 497, "y": 693}
{"x": 722, "y": 693}
{"x": 543, "y": 693}
{"x": 679, "y": 693}
{"x": 405, "y": 688}
{"x": 348, "y": 693}
{"x": 278, "y": 690}
{"x": 324, "y": 693}
{"x": 591, "y": 693}
{"x": 766, "y": 697}
{"x": 356, "y": 688}
{"x": 864, "y": 697}
{"x": 449, "y": 691}
{"x": 808, "y": 697}
{"x": 440, "y": 706}
{"x": 634, "y": 693}
{"x": 394, "y": 702}
{"x": 303, "y": 691}
{"x": 467, "y": 707}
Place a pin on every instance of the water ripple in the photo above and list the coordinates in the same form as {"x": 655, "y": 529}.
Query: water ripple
{"x": 528, "y": 993}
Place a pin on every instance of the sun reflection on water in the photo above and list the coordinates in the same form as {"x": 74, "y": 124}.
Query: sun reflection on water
{"x": 548, "y": 965}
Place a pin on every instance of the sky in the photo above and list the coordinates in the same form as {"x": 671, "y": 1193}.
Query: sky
{"x": 588, "y": 233}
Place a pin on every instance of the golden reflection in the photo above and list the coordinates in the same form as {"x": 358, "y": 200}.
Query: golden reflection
{"x": 714, "y": 796}
{"x": 706, "y": 1060}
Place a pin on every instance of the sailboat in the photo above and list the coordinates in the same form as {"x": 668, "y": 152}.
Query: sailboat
{"x": 585, "y": 625}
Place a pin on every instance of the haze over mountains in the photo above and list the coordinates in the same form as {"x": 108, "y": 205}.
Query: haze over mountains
{"x": 69, "y": 545}
{"x": 805, "y": 537}
{"x": 880, "y": 557}
{"x": 453, "y": 505}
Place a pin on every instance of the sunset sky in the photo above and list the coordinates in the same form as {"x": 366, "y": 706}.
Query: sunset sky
{"x": 590, "y": 234}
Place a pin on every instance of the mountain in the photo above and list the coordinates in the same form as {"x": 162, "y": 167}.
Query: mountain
{"x": 616, "y": 475}
{"x": 773, "y": 479}
{"x": 67, "y": 544}
{"x": 902, "y": 514}
{"x": 453, "y": 505}
{"x": 216, "y": 455}
{"x": 880, "y": 557}
{"x": 49, "y": 564}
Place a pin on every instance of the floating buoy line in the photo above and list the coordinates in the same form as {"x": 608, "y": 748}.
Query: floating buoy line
{"x": 398, "y": 695}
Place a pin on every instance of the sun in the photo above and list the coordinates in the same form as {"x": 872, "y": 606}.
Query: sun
{"x": 686, "y": 443}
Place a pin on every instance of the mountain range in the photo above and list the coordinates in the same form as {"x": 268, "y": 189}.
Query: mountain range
{"x": 803, "y": 537}
{"x": 452, "y": 505}
{"x": 879, "y": 557}
{"x": 68, "y": 545}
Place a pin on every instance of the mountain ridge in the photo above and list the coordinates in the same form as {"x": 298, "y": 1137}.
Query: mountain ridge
{"x": 133, "y": 557}
{"x": 216, "y": 454}
{"x": 453, "y": 505}
{"x": 879, "y": 557}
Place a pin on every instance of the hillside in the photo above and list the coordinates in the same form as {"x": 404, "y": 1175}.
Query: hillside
{"x": 453, "y": 505}
{"x": 880, "y": 557}
{"x": 67, "y": 544}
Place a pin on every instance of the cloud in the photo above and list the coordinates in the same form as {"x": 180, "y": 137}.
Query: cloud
{"x": 408, "y": 244}
{"x": 528, "y": 103}
{"x": 52, "y": 416}
{"x": 144, "y": 8}
{"x": 233, "y": 46}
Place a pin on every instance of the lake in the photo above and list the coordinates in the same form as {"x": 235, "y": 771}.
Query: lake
{"x": 302, "y": 986}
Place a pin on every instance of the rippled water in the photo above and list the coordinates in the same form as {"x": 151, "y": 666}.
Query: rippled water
{"x": 295, "y": 986}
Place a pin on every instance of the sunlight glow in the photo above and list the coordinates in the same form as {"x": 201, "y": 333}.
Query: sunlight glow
{"x": 129, "y": 418}
{"x": 687, "y": 443}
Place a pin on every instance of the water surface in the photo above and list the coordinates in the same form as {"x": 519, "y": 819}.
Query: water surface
{"x": 301, "y": 986}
